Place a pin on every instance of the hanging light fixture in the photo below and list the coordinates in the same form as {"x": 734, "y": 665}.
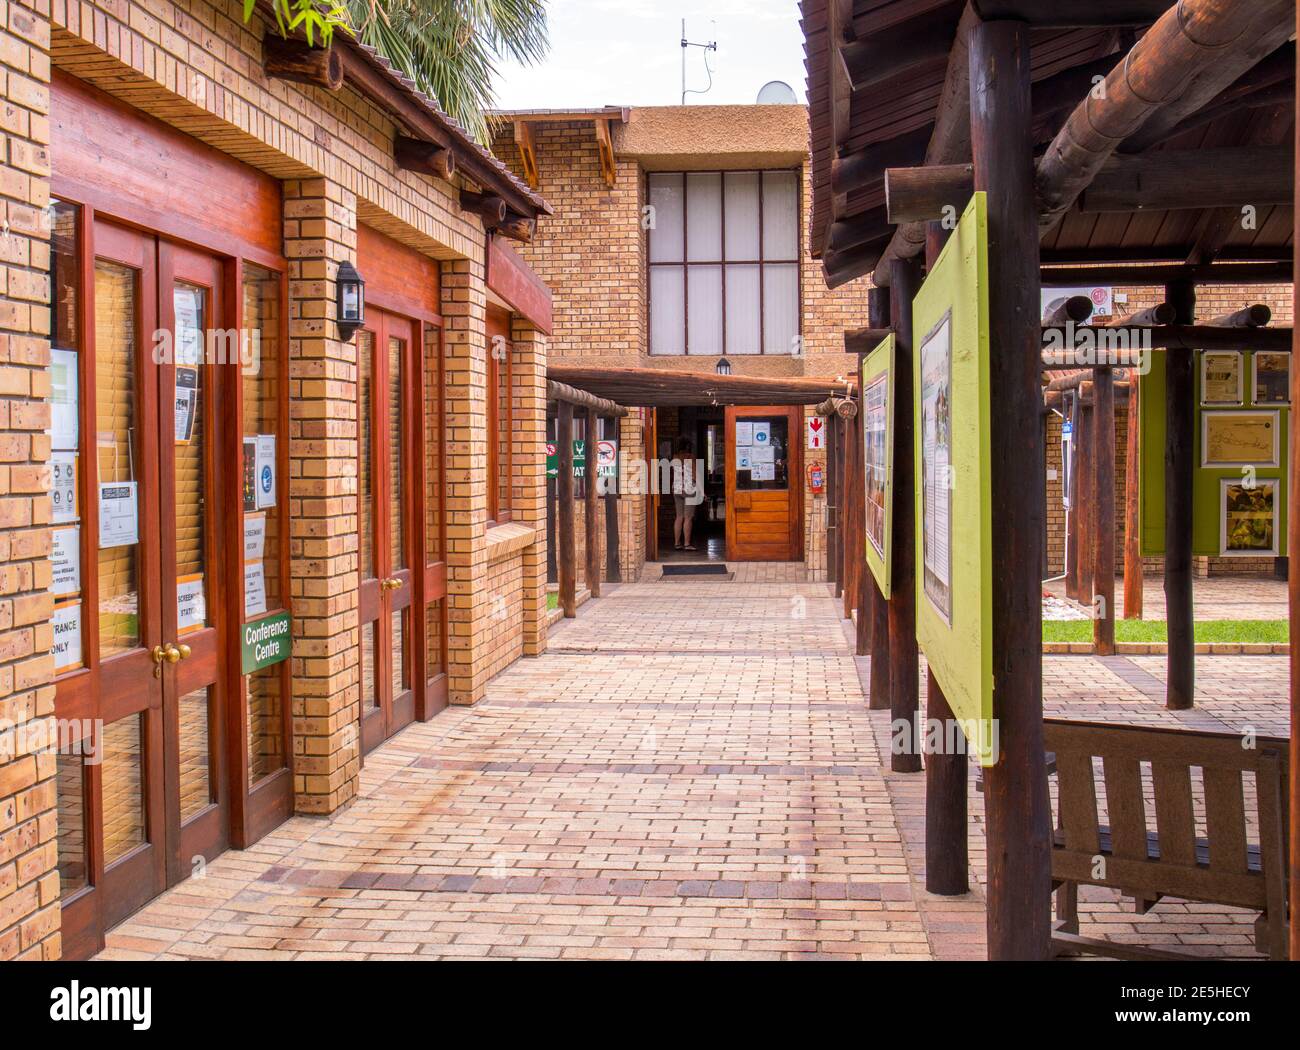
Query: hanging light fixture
{"x": 724, "y": 367}
{"x": 351, "y": 301}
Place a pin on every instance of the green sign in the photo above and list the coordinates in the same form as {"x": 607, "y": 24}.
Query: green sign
{"x": 954, "y": 518}
{"x": 878, "y": 459}
{"x": 579, "y": 458}
{"x": 1239, "y": 448}
{"x": 265, "y": 642}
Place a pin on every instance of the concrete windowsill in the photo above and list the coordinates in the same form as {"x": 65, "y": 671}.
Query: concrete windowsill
{"x": 508, "y": 539}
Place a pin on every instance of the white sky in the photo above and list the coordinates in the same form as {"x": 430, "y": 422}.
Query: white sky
{"x": 628, "y": 52}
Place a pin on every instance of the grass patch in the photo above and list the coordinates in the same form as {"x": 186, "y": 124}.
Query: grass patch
{"x": 1236, "y": 631}
{"x": 552, "y": 599}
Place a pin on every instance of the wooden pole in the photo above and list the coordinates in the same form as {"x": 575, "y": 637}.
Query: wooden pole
{"x": 1132, "y": 505}
{"x": 1072, "y": 519}
{"x": 1180, "y": 469}
{"x": 564, "y": 499}
{"x": 592, "y": 505}
{"x": 832, "y": 501}
{"x": 850, "y": 518}
{"x": 1085, "y": 533}
{"x": 947, "y": 859}
{"x": 904, "y": 683}
{"x": 1103, "y": 450}
{"x": 613, "y": 570}
{"x": 1018, "y": 826}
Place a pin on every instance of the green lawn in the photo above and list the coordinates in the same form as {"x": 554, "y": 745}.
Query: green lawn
{"x": 552, "y": 599}
{"x": 1273, "y": 631}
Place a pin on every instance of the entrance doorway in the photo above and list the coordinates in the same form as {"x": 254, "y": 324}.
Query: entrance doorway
{"x": 764, "y": 483}
{"x": 705, "y": 430}
{"x": 141, "y": 544}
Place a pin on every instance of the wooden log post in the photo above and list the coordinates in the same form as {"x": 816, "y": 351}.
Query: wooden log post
{"x": 904, "y": 680}
{"x": 1103, "y": 449}
{"x": 1018, "y": 823}
{"x": 564, "y": 501}
{"x": 1180, "y": 468}
{"x": 591, "y": 506}
{"x": 832, "y": 510}
{"x": 1132, "y": 504}
{"x": 1087, "y": 497}
{"x": 850, "y": 516}
{"x": 427, "y": 158}
{"x": 613, "y": 568}
{"x": 1293, "y": 589}
{"x": 296, "y": 60}
{"x": 865, "y": 632}
{"x": 947, "y": 857}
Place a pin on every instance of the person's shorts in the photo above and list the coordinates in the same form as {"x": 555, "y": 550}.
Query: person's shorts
{"x": 679, "y": 501}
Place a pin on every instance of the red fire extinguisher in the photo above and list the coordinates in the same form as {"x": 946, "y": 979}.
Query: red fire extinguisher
{"x": 817, "y": 479}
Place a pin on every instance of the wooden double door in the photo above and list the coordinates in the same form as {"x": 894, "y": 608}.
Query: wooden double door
{"x": 141, "y": 649}
{"x": 764, "y": 483}
{"x": 403, "y": 579}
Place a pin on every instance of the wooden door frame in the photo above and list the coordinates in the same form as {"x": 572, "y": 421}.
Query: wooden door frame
{"x": 795, "y": 468}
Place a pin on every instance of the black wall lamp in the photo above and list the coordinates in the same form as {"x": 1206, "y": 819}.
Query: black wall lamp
{"x": 351, "y": 302}
{"x": 724, "y": 367}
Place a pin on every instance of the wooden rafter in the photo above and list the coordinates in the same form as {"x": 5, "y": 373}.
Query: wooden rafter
{"x": 527, "y": 151}
{"x": 605, "y": 149}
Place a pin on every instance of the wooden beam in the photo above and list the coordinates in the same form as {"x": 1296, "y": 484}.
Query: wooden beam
{"x": 1132, "y": 504}
{"x": 1197, "y": 45}
{"x": 1173, "y": 337}
{"x": 1074, "y": 14}
{"x": 1180, "y": 469}
{"x": 556, "y": 391}
{"x": 927, "y": 194}
{"x": 296, "y": 60}
{"x": 867, "y": 165}
{"x": 1103, "y": 447}
{"x": 605, "y": 152}
{"x": 527, "y": 151}
{"x": 591, "y": 504}
{"x": 517, "y": 227}
{"x": 896, "y": 51}
{"x": 1256, "y": 316}
{"x": 564, "y": 499}
{"x": 864, "y": 340}
{"x": 1066, "y": 272}
{"x": 841, "y": 267}
{"x": 904, "y": 683}
{"x": 426, "y": 158}
{"x": 1018, "y": 820}
{"x": 491, "y": 209}
{"x": 865, "y": 227}
{"x": 1225, "y": 178}
{"x": 1074, "y": 308}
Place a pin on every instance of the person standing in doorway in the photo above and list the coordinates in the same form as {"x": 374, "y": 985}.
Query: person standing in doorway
{"x": 683, "y": 474}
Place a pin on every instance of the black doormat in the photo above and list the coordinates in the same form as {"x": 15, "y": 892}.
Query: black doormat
{"x": 715, "y": 568}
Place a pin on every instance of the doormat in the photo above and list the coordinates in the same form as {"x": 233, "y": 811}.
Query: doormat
{"x": 705, "y": 569}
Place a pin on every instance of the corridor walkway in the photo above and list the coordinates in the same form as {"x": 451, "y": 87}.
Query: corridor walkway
{"x": 689, "y": 772}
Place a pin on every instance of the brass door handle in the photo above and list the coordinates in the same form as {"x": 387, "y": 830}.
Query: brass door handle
{"x": 158, "y": 653}
{"x": 391, "y": 584}
{"x": 171, "y": 654}
{"x": 184, "y": 651}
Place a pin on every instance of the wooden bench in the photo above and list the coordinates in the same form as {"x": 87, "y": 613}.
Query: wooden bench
{"x": 1170, "y": 859}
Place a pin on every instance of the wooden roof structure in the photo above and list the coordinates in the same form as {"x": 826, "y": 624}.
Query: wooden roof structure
{"x": 887, "y": 87}
{"x": 654, "y": 387}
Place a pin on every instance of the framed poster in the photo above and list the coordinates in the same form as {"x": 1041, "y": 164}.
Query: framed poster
{"x": 1248, "y": 524}
{"x": 1270, "y": 378}
{"x": 1221, "y": 377}
{"x": 1240, "y": 439}
{"x": 954, "y": 531}
{"x": 878, "y": 459}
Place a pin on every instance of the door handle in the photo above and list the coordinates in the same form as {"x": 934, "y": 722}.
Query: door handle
{"x": 391, "y": 584}
{"x": 184, "y": 651}
{"x": 172, "y": 655}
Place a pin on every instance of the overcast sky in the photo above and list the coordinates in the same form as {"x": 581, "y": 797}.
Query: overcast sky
{"x": 628, "y": 52}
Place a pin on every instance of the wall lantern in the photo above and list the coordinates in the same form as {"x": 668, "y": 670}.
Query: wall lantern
{"x": 724, "y": 367}
{"x": 351, "y": 301}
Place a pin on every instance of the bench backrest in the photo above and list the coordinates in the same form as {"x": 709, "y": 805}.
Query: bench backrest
{"x": 1213, "y": 867}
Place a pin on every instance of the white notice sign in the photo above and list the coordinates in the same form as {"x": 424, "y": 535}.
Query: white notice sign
{"x": 191, "y": 610}
{"x": 762, "y": 433}
{"x": 63, "y": 487}
{"x": 744, "y": 433}
{"x": 119, "y": 518}
{"x": 66, "y": 621}
{"x": 63, "y": 399}
{"x": 254, "y": 537}
{"x": 254, "y": 589}
{"x": 265, "y": 471}
{"x": 65, "y": 561}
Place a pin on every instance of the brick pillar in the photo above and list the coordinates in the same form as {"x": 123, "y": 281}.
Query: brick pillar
{"x": 528, "y": 486}
{"x": 29, "y": 879}
{"x": 321, "y": 232}
{"x": 632, "y": 507}
{"x": 464, "y": 312}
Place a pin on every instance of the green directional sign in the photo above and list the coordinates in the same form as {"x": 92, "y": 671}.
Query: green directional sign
{"x": 579, "y": 458}
{"x": 265, "y": 642}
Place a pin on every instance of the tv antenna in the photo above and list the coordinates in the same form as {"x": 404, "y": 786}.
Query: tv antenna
{"x": 712, "y": 45}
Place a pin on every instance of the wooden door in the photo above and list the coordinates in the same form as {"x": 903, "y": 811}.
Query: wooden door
{"x": 764, "y": 484}
{"x": 385, "y": 364}
{"x": 139, "y": 616}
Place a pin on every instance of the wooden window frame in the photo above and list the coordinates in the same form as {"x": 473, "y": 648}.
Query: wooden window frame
{"x": 500, "y": 419}
{"x": 684, "y": 265}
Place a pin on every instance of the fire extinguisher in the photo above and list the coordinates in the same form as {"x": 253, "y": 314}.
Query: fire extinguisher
{"x": 817, "y": 479}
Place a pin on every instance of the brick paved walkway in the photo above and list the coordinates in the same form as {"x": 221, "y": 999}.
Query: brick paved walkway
{"x": 690, "y": 772}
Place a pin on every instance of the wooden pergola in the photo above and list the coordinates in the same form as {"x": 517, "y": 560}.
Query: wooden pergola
{"x": 1118, "y": 141}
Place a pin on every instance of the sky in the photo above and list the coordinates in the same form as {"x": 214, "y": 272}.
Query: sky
{"x": 628, "y": 53}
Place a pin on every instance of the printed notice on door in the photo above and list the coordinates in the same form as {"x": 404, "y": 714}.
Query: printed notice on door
{"x": 936, "y": 460}
{"x": 119, "y": 520}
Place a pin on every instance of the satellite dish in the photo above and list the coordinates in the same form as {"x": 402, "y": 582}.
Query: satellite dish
{"x": 776, "y": 93}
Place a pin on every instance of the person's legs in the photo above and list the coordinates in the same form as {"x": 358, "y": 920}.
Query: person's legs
{"x": 688, "y": 513}
{"x": 680, "y": 521}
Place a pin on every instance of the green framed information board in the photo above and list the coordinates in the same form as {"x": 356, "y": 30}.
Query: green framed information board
{"x": 878, "y": 459}
{"x": 954, "y": 520}
{"x": 1239, "y": 487}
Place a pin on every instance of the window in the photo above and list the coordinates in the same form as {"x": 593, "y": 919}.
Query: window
{"x": 500, "y": 415}
{"x": 723, "y": 255}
